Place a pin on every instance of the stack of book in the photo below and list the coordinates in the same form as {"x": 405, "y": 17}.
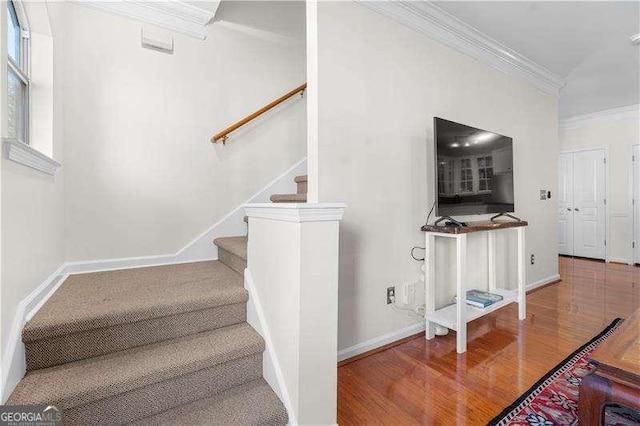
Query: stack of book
{"x": 482, "y": 299}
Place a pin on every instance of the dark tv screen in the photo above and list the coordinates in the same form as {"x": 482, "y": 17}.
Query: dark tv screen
{"x": 474, "y": 170}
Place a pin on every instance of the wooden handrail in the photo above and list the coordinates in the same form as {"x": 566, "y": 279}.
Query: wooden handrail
{"x": 225, "y": 133}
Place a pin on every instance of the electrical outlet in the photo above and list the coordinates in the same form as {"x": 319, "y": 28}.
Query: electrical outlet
{"x": 391, "y": 295}
{"x": 533, "y": 259}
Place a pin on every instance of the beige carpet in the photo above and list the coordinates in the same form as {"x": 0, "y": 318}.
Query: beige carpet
{"x": 131, "y": 344}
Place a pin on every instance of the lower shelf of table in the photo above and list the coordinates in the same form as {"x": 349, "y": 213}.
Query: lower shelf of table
{"x": 448, "y": 317}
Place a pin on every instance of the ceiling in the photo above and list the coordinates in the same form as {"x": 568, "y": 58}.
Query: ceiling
{"x": 585, "y": 42}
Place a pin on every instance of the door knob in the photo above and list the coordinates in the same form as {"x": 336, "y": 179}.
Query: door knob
{"x": 569, "y": 208}
{"x": 577, "y": 209}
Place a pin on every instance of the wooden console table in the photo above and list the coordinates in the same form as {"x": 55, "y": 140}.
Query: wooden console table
{"x": 456, "y": 316}
{"x": 616, "y": 379}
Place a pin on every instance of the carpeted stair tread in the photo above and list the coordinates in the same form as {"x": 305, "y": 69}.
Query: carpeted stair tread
{"x": 299, "y": 179}
{"x": 89, "y": 380}
{"x": 102, "y": 299}
{"x": 234, "y": 245}
{"x": 253, "y": 403}
{"x": 289, "y": 198}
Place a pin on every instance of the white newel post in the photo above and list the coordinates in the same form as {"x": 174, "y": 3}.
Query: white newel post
{"x": 293, "y": 265}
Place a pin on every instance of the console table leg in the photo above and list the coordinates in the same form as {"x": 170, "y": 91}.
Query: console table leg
{"x": 522, "y": 276}
{"x": 491, "y": 254}
{"x": 461, "y": 278}
{"x": 429, "y": 284}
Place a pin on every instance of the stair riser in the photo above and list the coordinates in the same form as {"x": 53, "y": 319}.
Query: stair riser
{"x": 234, "y": 262}
{"x": 58, "y": 350}
{"x": 165, "y": 395}
{"x": 302, "y": 187}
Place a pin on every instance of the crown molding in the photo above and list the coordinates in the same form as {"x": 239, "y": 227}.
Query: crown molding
{"x": 296, "y": 212}
{"x": 173, "y": 15}
{"x": 428, "y": 19}
{"x": 623, "y": 113}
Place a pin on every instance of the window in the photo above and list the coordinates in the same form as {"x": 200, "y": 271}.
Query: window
{"x": 445, "y": 177}
{"x": 485, "y": 173}
{"x": 17, "y": 74}
{"x": 466, "y": 175}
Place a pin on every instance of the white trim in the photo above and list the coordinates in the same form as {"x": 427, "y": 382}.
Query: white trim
{"x": 201, "y": 247}
{"x": 173, "y": 15}
{"x": 540, "y": 283}
{"x": 634, "y": 189}
{"x": 623, "y": 113}
{"x": 379, "y": 341}
{"x": 296, "y": 212}
{"x": 434, "y": 22}
{"x": 82, "y": 267}
{"x": 311, "y": 12}
{"x": 22, "y": 153}
{"x": 13, "y": 359}
{"x": 619, "y": 260}
{"x": 271, "y": 369}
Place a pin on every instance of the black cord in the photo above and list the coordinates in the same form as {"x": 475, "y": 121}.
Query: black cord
{"x": 433, "y": 206}
{"x": 415, "y": 258}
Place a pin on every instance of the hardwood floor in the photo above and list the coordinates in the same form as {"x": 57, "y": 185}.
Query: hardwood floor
{"x": 421, "y": 382}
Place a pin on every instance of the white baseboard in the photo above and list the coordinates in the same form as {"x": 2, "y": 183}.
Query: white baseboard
{"x": 13, "y": 359}
{"x": 376, "y": 342}
{"x": 394, "y": 336}
{"x": 542, "y": 282}
{"x": 270, "y": 364}
{"x": 620, "y": 260}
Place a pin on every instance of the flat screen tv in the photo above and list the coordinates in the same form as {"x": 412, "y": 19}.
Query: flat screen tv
{"x": 474, "y": 170}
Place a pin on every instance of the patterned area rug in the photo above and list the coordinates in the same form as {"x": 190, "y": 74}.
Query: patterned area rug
{"x": 553, "y": 400}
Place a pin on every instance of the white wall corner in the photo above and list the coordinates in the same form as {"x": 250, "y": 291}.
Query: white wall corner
{"x": 271, "y": 368}
{"x": 435, "y": 23}
{"x": 173, "y": 15}
{"x": 630, "y": 112}
{"x": 22, "y": 153}
{"x": 297, "y": 212}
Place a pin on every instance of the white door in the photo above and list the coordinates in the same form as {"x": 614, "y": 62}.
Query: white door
{"x": 565, "y": 204}
{"x": 589, "y": 215}
{"x": 581, "y": 204}
{"x": 636, "y": 203}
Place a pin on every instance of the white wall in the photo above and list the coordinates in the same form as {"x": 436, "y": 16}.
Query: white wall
{"x": 617, "y": 136}
{"x": 293, "y": 262}
{"x": 32, "y": 202}
{"x": 381, "y": 84}
{"x": 141, "y": 176}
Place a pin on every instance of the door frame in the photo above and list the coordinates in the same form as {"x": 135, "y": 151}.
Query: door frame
{"x": 607, "y": 207}
{"x": 633, "y": 222}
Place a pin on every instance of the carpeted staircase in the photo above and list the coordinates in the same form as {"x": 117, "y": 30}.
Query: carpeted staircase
{"x": 157, "y": 345}
{"x": 233, "y": 250}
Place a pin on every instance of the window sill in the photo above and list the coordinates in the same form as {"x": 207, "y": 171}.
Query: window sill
{"x": 22, "y": 153}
